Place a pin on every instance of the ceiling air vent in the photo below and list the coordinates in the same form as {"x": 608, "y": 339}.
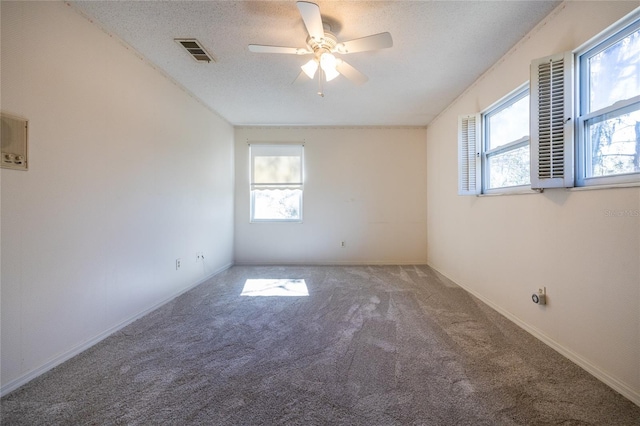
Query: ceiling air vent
{"x": 195, "y": 49}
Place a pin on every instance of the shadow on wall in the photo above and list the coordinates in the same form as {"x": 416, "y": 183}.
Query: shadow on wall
{"x": 557, "y": 196}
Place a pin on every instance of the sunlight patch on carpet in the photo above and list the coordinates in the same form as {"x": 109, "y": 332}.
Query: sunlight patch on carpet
{"x": 275, "y": 287}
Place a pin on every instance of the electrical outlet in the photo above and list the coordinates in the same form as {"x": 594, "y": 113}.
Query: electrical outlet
{"x": 343, "y": 244}
{"x": 178, "y": 264}
{"x": 199, "y": 256}
{"x": 540, "y": 298}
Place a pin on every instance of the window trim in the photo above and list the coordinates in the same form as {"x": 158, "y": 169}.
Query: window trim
{"x": 604, "y": 40}
{"x": 512, "y": 97}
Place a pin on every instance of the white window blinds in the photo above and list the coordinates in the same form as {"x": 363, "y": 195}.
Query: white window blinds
{"x": 276, "y": 166}
{"x": 469, "y": 180}
{"x": 551, "y": 124}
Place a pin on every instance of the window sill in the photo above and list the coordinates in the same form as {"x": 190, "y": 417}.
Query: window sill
{"x": 605, "y": 186}
{"x": 274, "y": 221}
{"x": 517, "y": 192}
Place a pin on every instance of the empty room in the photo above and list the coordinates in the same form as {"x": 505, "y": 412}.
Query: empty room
{"x": 320, "y": 212}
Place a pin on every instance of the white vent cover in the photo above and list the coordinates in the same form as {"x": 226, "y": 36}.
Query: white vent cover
{"x": 195, "y": 49}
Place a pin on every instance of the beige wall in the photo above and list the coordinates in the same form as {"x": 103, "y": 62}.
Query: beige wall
{"x": 364, "y": 186}
{"x": 504, "y": 248}
{"x": 127, "y": 173}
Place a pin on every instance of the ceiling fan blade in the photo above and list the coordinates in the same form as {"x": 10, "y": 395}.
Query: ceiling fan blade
{"x": 372, "y": 42}
{"x": 351, "y": 73}
{"x": 259, "y": 48}
{"x": 310, "y": 13}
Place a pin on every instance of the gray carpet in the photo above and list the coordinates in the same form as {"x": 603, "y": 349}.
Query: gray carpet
{"x": 383, "y": 345}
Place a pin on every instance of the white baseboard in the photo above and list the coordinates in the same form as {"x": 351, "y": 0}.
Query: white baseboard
{"x": 333, "y": 263}
{"x": 32, "y": 374}
{"x": 595, "y": 371}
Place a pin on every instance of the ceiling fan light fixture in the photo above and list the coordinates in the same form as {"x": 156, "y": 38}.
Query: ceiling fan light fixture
{"x": 328, "y": 63}
{"x": 331, "y": 73}
{"x": 310, "y": 68}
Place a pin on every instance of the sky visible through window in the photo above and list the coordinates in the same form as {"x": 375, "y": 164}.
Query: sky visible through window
{"x": 276, "y": 204}
{"x": 507, "y": 125}
{"x": 613, "y": 140}
{"x": 614, "y": 73}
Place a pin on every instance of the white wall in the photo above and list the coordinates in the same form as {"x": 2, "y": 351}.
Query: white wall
{"x": 364, "y": 186}
{"x": 127, "y": 173}
{"x": 504, "y": 248}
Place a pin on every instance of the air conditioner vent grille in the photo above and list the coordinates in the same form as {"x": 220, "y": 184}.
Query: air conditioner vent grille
{"x": 195, "y": 49}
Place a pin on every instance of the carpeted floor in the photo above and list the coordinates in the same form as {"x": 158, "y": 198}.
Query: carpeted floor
{"x": 382, "y": 345}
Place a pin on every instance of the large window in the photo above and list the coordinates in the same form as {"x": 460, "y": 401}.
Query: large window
{"x": 609, "y": 108}
{"x": 276, "y": 182}
{"x": 595, "y": 142}
{"x": 506, "y": 142}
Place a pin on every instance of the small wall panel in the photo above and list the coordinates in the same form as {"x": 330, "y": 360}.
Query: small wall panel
{"x": 13, "y": 138}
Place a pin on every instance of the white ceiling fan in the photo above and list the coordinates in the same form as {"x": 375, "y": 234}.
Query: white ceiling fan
{"x": 322, "y": 44}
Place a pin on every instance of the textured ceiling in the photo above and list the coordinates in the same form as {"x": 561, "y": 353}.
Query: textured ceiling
{"x": 440, "y": 48}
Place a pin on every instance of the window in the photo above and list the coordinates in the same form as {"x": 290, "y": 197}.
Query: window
{"x": 609, "y": 108}
{"x": 276, "y": 182}
{"x": 596, "y": 143}
{"x": 606, "y": 149}
{"x": 493, "y": 147}
{"x": 505, "y": 157}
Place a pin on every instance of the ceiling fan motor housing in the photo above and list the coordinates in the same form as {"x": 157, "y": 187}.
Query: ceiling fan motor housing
{"x": 325, "y": 45}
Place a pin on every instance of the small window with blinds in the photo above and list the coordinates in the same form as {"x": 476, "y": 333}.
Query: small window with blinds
{"x": 276, "y": 182}
{"x": 609, "y": 107}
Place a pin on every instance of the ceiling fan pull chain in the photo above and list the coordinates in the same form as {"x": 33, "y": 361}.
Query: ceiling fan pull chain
{"x": 320, "y": 92}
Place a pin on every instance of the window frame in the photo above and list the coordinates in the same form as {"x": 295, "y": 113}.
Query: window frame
{"x": 485, "y": 152}
{"x": 256, "y": 186}
{"x": 608, "y": 38}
